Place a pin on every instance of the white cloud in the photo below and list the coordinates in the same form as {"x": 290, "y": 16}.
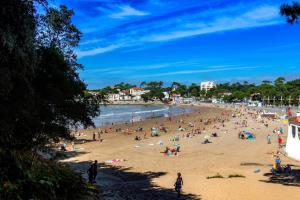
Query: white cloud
{"x": 90, "y": 41}
{"x": 82, "y": 53}
{"x": 263, "y": 12}
{"x": 198, "y": 71}
{"x": 186, "y": 25}
{"x": 127, "y": 11}
{"x": 262, "y": 16}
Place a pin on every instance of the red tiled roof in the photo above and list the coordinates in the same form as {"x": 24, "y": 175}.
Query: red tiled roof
{"x": 137, "y": 88}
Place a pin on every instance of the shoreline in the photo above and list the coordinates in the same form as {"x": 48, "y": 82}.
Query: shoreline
{"x": 140, "y": 114}
{"x": 196, "y": 109}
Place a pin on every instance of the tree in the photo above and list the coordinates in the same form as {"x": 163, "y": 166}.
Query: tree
{"x": 179, "y": 88}
{"x": 41, "y": 94}
{"x": 124, "y": 86}
{"x": 156, "y": 91}
{"x": 194, "y": 90}
{"x": 55, "y": 28}
{"x": 41, "y": 99}
{"x": 291, "y": 12}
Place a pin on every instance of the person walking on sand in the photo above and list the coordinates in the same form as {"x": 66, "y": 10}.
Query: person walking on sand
{"x": 178, "y": 184}
{"x": 95, "y": 170}
{"x": 99, "y": 137}
{"x": 279, "y": 141}
{"x": 269, "y": 138}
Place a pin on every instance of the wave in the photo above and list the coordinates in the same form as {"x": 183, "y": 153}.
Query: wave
{"x": 130, "y": 113}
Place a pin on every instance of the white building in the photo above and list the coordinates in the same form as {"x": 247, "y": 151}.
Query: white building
{"x": 137, "y": 93}
{"x": 167, "y": 95}
{"x": 207, "y": 85}
{"x": 292, "y": 147}
{"x": 176, "y": 98}
{"x": 114, "y": 97}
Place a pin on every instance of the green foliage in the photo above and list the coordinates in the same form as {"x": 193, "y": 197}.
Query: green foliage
{"x": 239, "y": 91}
{"x": 26, "y": 176}
{"x": 291, "y": 12}
{"x": 194, "y": 90}
{"x": 156, "y": 91}
{"x": 124, "y": 86}
{"x": 229, "y": 92}
{"x": 179, "y": 88}
{"x": 41, "y": 94}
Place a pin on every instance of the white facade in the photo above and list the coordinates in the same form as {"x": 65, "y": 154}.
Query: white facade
{"x": 137, "y": 93}
{"x": 176, "y": 98}
{"x": 167, "y": 95}
{"x": 114, "y": 97}
{"x": 207, "y": 85}
{"x": 293, "y": 140}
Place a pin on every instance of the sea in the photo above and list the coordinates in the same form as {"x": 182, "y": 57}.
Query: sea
{"x": 117, "y": 114}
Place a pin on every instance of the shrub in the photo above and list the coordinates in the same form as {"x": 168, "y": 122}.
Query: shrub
{"x": 23, "y": 176}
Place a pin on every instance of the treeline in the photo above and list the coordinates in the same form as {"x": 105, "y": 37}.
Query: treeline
{"x": 156, "y": 89}
{"x": 279, "y": 91}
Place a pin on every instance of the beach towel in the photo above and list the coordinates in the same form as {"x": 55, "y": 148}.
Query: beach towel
{"x": 114, "y": 161}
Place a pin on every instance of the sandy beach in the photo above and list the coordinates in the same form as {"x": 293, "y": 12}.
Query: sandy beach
{"x": 143, "y": 171}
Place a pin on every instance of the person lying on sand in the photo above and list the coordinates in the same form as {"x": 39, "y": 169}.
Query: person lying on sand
{"x": 137, "y": 138}
{"x": 214, "y": 134}
{"x": 180, "y": 128}
{"x": 171, "y": 151}
{"x": 191, "y": 124}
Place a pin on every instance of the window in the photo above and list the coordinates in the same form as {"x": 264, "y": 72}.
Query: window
{"x": 294, "y": 131}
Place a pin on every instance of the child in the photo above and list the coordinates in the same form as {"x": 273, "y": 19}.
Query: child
{"x": 178, "y": 184}
{"x": 269, "y": 139}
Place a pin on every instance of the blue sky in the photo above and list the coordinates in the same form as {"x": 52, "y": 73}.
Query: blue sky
{"x": 184, "y": 40}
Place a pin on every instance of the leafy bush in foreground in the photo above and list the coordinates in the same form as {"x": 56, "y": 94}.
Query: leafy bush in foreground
{"x": 23, "y": 176}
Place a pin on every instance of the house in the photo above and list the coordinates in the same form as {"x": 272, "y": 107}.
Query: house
{"x": 176, "y": 98}
{"x": 207, "y": 85}
{"x": 113, "y": 97}
{"x": 137, "y": 93}
{"x": 293, "y": 139}
{"x": 125, "y": 95}
{"x": 166, "y": 95}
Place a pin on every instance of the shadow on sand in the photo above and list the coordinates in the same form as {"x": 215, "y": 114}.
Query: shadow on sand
{"x": 121, "y": 183}
{"x": 292, "y": 179}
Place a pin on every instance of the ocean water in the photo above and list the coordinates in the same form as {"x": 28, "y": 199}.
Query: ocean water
{"x": 128, "y": 113}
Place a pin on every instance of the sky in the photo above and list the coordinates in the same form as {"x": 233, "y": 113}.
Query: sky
{"x": 186, "y": 41}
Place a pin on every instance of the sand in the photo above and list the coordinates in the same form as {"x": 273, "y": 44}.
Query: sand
{"x": 146, "y": 173}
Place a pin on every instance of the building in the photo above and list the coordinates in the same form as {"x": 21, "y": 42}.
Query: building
{"x": 292, "y": 147}
{"x": 166, "y": 95}
{"x": 125, "y": 95}
{"x": 114, "y": 97}
{"x": 176, "y": 98}
{"x": 207, "y": 85}
{"x": 137, "y": 93}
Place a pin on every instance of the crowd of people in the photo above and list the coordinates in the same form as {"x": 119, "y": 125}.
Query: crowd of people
{"x": 191, "y": 128}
